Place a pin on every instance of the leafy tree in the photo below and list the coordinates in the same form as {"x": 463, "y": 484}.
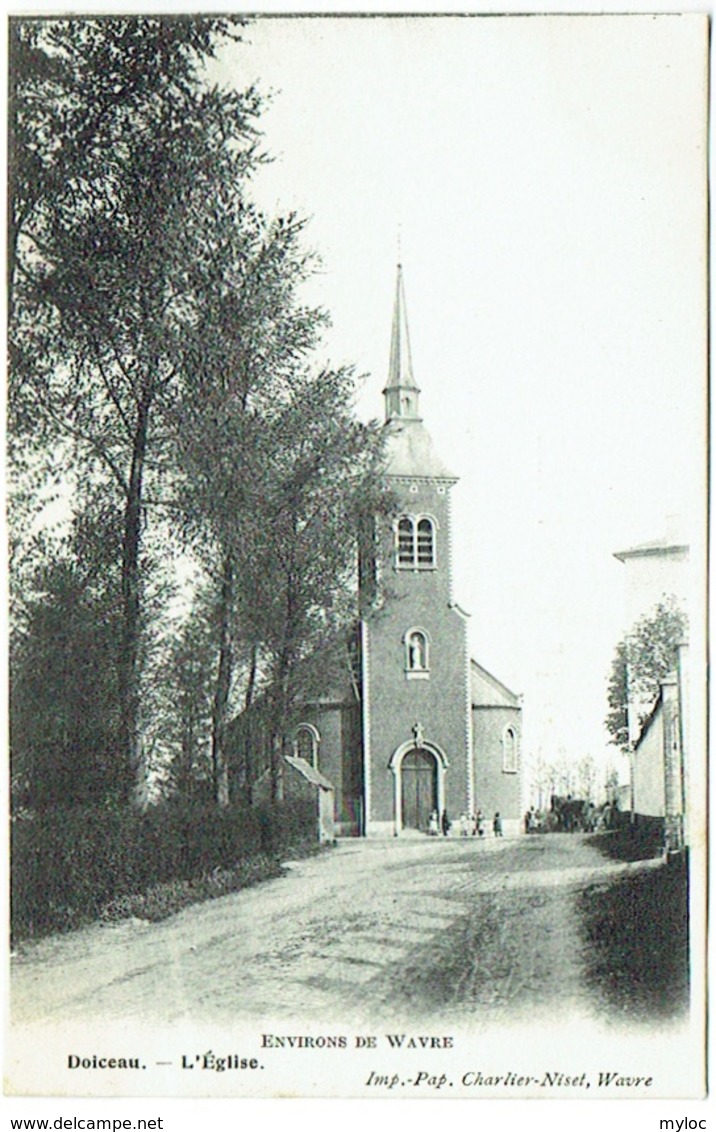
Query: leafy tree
{"x": 278, "y": 519}
{"x": 323, "y": 478}
{"x": 648, "y": 653}
{"x": 75, "y": 85}
{"x": 188, "y": 683}
{"x": 64, "y": 666}
{"x": 224, "y": 442}
{"x": 127, "y": 173}
{"x": 617, "y": 720}
{"x": 159, "y": 350}
{"x": 652, "y": 650}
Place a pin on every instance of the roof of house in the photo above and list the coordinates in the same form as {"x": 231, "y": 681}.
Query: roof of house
{"x": 652, "y": 549}
{"x": 656, "y": 710}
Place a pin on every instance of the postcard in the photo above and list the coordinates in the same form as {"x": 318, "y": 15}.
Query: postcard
{"x": 357, "y": 467}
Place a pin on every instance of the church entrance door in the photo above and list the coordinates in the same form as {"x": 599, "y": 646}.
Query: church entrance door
{"x": 419, "y": 788}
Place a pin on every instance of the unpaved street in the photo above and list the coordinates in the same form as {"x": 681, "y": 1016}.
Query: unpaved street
{"x": 426, "y": 927}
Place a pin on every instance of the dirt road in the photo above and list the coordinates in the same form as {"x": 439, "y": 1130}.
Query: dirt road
{"x": 479, "y": 929}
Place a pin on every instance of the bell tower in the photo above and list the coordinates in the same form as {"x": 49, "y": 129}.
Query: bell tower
{"x": 416, "y": 701}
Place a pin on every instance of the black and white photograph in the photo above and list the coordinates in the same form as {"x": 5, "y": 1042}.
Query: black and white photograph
{"x": 356, "y": 478}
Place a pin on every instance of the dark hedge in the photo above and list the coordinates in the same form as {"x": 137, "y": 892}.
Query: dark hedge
{"x": 68, "y": 866}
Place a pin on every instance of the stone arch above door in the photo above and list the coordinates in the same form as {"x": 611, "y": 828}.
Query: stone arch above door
{"x": 416, "y": 818}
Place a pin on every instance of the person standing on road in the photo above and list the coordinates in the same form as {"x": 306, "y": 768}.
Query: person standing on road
{"x": 497, "y": 825}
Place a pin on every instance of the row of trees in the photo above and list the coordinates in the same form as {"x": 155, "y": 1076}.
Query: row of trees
{"x": 163, "y": 384}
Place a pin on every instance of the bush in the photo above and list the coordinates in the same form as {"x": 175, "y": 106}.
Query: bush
{"x": 68, "y": 866}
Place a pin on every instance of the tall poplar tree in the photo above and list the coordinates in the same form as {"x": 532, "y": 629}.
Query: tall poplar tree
{"x": 126, "y": 169}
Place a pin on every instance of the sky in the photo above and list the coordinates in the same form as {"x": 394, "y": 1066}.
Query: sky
{"x": 543, "y": 181}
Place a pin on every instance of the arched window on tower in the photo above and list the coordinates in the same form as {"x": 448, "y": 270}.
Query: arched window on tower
{"x": 509, "y": 751}
{"x": 305, "y": 743}
{"x": 415, "y": 543}
{"x": 417, "y": 654}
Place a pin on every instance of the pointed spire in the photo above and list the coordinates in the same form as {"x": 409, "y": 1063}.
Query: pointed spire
{"x": 401, "y": 392}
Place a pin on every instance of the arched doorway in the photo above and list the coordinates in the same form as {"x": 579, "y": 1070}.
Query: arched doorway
{"x": 418, "y": 788}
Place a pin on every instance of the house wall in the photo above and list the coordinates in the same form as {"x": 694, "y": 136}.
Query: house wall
{"x": 648, "y": 764}
{"x": 651, "y": 577}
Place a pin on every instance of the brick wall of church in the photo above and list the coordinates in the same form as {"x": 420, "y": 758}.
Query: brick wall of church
{"x": 497, "y": 790}
{"x": 339, "y": 757}
{"x": 398, "y": 701}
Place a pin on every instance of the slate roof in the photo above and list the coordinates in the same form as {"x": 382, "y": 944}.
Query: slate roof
{"x": 400, "y": 369}
{"x": 487, "y": 691}
{"x": 650, "y": 549}
{"x": 411, "y": 453}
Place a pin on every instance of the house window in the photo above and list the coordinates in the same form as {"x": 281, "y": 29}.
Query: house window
{"x": 417, "y": 654}
{"x": 509, "y": 751}
{"x": 415, "y": 543}
{"x": 305, "y": 743}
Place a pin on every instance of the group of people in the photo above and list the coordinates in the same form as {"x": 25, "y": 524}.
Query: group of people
{"x": 468, "y": 825}
{"x": 567, "y": 815}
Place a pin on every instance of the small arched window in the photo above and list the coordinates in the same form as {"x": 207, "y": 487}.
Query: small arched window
{"x": 417, "y": 654}
{"x": 509, "y": 751}
{"x": 305, "y": 743}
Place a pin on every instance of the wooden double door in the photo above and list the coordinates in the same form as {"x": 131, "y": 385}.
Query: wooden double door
{"x": 419, "y": 788}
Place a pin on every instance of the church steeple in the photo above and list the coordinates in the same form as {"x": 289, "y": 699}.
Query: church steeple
{"x": 401, "y": 393}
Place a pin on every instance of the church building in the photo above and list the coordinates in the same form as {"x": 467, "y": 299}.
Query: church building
{"x": 413, "y": 726}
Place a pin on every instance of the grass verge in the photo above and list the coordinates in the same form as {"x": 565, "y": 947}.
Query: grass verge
{"x": 637, "y": 944}
{"x": 164, "y": 900}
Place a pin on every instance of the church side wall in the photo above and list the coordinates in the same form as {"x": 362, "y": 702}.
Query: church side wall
{"x": 338, "y": 756}
{"x": 497, "y": 790}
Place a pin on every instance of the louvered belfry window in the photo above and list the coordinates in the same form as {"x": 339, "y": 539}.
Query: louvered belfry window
{"x": 426, "y": 543}
{"x": 416, "y": 543}
{"x": 406, "y": 543}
